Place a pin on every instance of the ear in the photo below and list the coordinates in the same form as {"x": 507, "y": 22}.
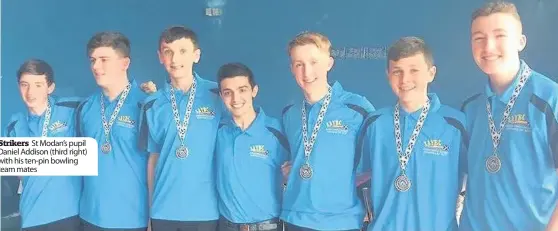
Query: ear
{"x": 160, "y": 55}
{"x": 126, "y": 64}
{"x": 255, "y": 91}
{"x": 331, "y": 62}
{"x": 522, "y": 42}
{"x": 197, "y": 55}
{"x": 432, "y": 74}
{"x": 51, "y": 88}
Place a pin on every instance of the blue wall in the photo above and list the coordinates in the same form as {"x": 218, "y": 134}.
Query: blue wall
{"x": 256, "y": 33}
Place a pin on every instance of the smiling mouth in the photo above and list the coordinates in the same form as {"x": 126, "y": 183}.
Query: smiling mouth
{"x": 176, "y": 67}
{"x": 237, "y": 105}
{"x": 406, "y": 89}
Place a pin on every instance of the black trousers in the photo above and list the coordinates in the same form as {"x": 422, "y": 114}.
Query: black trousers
{"x": 166, "y": 225}
{"x": 69, "y": 224}
{"x": 86, "y": 226}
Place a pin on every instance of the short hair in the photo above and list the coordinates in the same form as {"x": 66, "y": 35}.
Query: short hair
{"x": 36, "y": 67}
{"x": 409, "y": 46}
{"x": 174, "y": 33}
{"x": 311, "y": 38}
{"x": 115, "y": 40}
{"x": 494, "y": 7}
{"x": 231, "y": 70}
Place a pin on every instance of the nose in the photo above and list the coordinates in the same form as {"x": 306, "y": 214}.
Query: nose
{"x": 489, "y": 44}
{"x": 96, "y": 65}
{"x": 307, "y": 71}
{"x": 405, "y": 77}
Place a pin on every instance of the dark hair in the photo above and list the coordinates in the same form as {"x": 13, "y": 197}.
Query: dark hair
{"x": 115, "y": 40}
{"x": 231, "y": 70}
{"x": 493, "y": 7}
{"x": 36, "y": 67}
{"x": 409, "y": 46}
{"x": 178, "y": 32}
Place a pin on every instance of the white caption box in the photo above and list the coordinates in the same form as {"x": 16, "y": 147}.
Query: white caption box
{"x": 48, "y": 156}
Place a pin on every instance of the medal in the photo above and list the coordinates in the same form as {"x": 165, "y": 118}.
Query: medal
{"x": 493, "y": 163}
{"x": 306, "y": 171}
{"x": 182, "y": 151}
{"x": 402, "y": 182}
{"x": 106, "y": 147}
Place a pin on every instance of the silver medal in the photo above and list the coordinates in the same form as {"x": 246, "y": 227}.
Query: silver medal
{"x": 106, "y": 147}
{"x": 493, "y": 163}
{"x": 306, "y": 171}
{"x": 402, "y": 183}
{"x": 182, "y": 152}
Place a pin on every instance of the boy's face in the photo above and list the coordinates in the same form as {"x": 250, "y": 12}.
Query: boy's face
{"x": 34, "y": 90}
{"x": 309, "y": 66}
{"x": 107, "y": 65}
{"x": 409, "y": 77}
{"x": 238, "y": 95}
{"x": 179, "y": 57}
{"x": 496, "y": 42}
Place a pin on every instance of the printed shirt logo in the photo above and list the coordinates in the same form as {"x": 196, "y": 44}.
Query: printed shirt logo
{"x": 435, "y": 147}
{"x": 126, "y": 121}
{"x": 258, "y": 151}
{"x": 518, "y": 122}
{"x": 337, "y": 127}
{"x": 58, "y": 126}
{"x": 205, "y": 113}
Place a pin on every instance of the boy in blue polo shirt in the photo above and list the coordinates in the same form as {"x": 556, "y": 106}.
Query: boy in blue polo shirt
{"x": 512, "y": 181}
{"x": 179, "y": 128}
{"x": 322, "y": 130}
{"x": 47, "y": 203}
{"x": 413, "y": 148}
{"x": 116, "y": 199}
{"x": 249, "y": 153}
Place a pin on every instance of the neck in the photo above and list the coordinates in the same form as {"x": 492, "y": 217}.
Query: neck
{"x": 244, "y": 121}
{"x": 501, "y": 81}
{"x": 116, "y": 88}
{"x": 183, "y": 83}
{"x": 414, "y": 105}
{"x": 316, "y": 94}
{"x": 39, "y": 110}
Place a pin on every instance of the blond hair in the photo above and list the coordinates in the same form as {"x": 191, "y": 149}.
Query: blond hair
{"x": 311, "y": 38}
{"x": 497, "y": 7}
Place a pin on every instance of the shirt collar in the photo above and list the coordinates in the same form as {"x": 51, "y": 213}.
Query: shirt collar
{"x": 168, "y": 84}
{"x": 257, "y": 126}
{"x": 51, "y": 101}
{"x": 507, "y": 94}
{"x": 434, "y": 107}
{"x": 133, "y": 86}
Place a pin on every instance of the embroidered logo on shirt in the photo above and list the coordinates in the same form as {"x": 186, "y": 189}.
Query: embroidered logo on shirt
{"x": 518, "y": 122}
{"x": 205, "y": 113}
{"x": 258, "y": 151}
{"x": 125, "y": 121}
{"x": 58, "y": 126}
{"x": 435, "y": 147}
{"x": 337, "y": 127}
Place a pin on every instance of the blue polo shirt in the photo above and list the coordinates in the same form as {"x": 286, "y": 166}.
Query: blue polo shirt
{"x": 523, "y": 194}
{"x": 433, "y": 168}
{"x": 40, "y": 201}
{"x": 117, "y": 197}
{"x": 327, "y": 201}
{"x": 249, "y": 179}
{"x": 184, "y": 189}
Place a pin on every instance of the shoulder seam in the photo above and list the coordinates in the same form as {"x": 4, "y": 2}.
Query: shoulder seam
{"x": 469, "y": 100}
{"x": 286, "y": 108}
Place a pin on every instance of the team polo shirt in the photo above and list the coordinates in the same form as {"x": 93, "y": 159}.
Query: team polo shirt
{"x": 249, "y": 179}
{"x": 117, "y": 197}
{"x": 523, "y": 194}
{"x": 184, "y": 189}
{"x": 327, "y": 201}
{"x": 433, "y": 168}
{"x": 40, "y": 201}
